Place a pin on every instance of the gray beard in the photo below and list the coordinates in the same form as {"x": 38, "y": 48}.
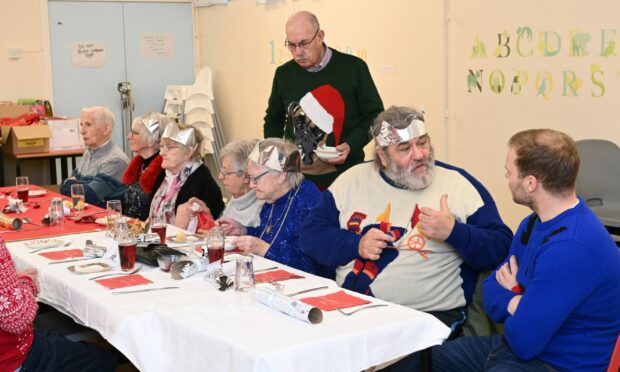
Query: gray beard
{"x": 403, "y": 177}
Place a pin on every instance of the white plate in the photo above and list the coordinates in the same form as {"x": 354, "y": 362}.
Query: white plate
{"x": 35, "y": 193}
{"x": 189, "y": 238}
{"x": 89, "y": 268}
{"x": 104, "y": 220}
{"x": 327, "y": 155}
{"x": 44, "y": 243}
{"x": 228, "y": 244}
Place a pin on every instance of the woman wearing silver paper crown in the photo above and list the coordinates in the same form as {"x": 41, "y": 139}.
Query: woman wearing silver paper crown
{"x": 243, "y": 206}
{"x": 274, "y": 173}
{"x": 185, "y": 174}
{"x": 144, "y": 170}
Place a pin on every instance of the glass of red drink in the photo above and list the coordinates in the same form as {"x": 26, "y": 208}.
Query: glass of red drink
{"x": 22, "y": 186}
{"x": 159, "y": 222}
{"x": 215, "y": 245}
{"x": 127, "y": 253}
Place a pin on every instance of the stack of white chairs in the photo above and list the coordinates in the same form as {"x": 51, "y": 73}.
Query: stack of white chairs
{"x": 194, "y": 104}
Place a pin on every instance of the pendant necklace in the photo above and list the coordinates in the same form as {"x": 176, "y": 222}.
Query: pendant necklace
{"x": 270, "y": 226}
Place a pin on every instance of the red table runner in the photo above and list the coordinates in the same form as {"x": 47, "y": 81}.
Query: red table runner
{"x": 29, "y": 231}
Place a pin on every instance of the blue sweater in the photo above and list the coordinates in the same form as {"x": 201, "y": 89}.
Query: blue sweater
{"x": 569, "y": 315}
{"x": 479, "y": 238}
{"x": 284, "y": 235}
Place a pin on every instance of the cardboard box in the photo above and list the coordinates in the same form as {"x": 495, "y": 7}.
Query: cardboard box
{"x": 11, "y": 111}
{"x": 25, "y": 139}
{"x": 65, "y": 134}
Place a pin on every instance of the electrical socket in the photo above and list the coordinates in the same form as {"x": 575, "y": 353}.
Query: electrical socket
{"x": 14, "y": 53}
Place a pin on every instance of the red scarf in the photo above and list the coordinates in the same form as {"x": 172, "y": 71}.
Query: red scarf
{"x": 148, "y": 177}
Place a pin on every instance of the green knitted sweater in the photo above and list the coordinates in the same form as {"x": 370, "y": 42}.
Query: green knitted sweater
{"x": 351, "y": 77}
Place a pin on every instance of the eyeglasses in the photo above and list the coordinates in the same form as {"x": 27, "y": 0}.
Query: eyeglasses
{"x": 225, "y": 174}
{"x": 304, "y": 44}
{"x": 254, "y": 179}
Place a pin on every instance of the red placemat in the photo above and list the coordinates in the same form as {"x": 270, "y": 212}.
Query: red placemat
{"x": 333, "y": 301}
{"x": 63, "y": 255}
{"x": 124, "y": 281}
{"x": 29, "y": 231}
{"x": 275, "y": 276}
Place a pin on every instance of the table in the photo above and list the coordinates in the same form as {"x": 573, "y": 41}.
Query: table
{"x": 197, "y": 328}
{"x": 52, "y": 156}
{"x": 37, "y": 229}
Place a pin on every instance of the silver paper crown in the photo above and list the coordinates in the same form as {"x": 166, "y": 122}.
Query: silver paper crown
{"x": 152, "y": 125}
{"x": 183, "y": 136}
{"x": 272, "y": 158}
{"x": 389, "y": 135}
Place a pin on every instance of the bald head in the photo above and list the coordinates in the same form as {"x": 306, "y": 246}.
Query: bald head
{"x": 303, "y": 18}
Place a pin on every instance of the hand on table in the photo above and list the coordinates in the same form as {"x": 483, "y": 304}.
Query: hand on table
{"x": 251, "y": 244}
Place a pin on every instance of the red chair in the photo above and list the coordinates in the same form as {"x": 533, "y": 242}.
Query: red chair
{"x": 614, "y": 364}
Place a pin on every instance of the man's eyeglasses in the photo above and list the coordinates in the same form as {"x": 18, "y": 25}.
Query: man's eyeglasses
{"x": 225, "y": 174}
{"x": 304, "y": 44}
{"x": 254, "y": 179}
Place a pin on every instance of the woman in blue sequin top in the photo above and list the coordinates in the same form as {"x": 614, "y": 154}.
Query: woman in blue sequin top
{"x": 274, "y": 171}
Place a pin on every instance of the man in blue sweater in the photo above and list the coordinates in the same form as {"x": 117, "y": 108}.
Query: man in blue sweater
{"x": 558, "y": 292}
{"x": 406, "y": 228}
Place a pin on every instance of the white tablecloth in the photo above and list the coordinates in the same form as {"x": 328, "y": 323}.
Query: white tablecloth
{"x": 198, "y": 328}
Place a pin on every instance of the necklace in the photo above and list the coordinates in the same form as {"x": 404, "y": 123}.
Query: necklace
{"x": 269, "y": 227}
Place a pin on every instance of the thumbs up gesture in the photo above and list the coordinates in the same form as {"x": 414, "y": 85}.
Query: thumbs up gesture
{"x": 434, "y": 224}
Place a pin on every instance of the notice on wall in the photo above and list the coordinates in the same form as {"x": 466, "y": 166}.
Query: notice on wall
{"x": 157, "y": 45}
{"x": 88, "y": 55}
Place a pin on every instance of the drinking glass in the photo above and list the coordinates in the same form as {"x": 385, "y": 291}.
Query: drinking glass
{"x": 244, "y": 280}
{"x": 77, "y": 198}
{"x": 126, "y": 245}
{"x": 215, "y": 244}
{"x": 159, "y": 222}
{"x": 114, "y": 211}
{"x": 22, "y": 186}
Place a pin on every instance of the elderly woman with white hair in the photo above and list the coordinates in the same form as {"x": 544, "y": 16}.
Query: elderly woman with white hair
{"x": 144, "y": 170}
{"x": 274, "y": 171}
{"x": 243, "y": 205}
{"x": 185, "y": 174}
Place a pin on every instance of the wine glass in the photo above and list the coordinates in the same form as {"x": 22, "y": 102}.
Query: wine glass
{"x": 114, "y": 211}
{"x": 77, "y": 198}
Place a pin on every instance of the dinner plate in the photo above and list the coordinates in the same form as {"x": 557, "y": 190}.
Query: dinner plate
{"x": 104, "y": 220}
{"x": 35, "y": 193}
{"x": 44, "y": 243}
{"x": 188, "y": 238}
{"x": 89, "y": 268}
{"x": 327, "y": 155}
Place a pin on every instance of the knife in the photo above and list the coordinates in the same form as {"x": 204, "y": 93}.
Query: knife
{"x": 263, "y": 270}
{"x": 306, "y": 291}
{"x": 73, "y": 260}
{"x": 144, "y": 290}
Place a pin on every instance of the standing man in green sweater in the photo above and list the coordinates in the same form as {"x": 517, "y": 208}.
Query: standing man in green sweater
{"x": 314, "y": 65}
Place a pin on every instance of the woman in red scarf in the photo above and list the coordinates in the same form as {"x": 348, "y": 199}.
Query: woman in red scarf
{"x": 144, "y": 170}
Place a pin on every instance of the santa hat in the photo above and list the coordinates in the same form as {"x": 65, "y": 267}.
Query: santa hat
{"x": 325, "y": 107}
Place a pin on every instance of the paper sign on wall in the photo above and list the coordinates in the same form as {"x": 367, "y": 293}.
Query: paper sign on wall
{"x": 88, "y": 55}
{"x": 157, "y": 45}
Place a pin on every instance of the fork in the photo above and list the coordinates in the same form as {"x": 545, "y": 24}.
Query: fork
{"x": 29, "y": 221}
{"x": 360, "y": 309}
{"x": 40, "y": 249}
{"x": 115, "y": 274}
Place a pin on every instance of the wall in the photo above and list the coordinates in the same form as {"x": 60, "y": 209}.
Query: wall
{"x": 564, "y": 58}
{"x": 21, "y": 27}
{"x": 243, "y": 43}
